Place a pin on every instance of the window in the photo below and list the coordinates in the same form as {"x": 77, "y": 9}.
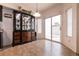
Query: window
{"x": 69, "y": 22}
{"x": 39, "y": 25}
{"x": 48, "y": 28}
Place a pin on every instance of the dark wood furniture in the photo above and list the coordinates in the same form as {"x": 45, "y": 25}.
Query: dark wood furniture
{"x": 1, "y": 33}
{"x": 0, "y": 13}
{"x": 24, "y": 28}
{"x": 1, "y": 38}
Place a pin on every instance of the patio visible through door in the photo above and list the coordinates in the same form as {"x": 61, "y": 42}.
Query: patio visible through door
{"x": 56, "y": 26}
{"x": 52, "y": 28}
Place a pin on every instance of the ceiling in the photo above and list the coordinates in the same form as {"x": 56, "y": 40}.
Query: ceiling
{"x": 32, "y": 6}
{"x": 29, "y": 6}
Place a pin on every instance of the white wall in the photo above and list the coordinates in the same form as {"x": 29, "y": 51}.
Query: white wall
{"x": 78, "y": 28}
{"x": 70, "y": 42}
{"x": 7, "y": 27}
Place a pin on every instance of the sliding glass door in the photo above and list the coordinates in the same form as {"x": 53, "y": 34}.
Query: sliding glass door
{"x": 56, "y": 24}
{"x": 52, "y": 28}
{"x": 48, "y": 28}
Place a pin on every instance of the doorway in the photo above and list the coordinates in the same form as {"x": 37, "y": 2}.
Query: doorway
{"x": 56, "y": 28}
{"x": 53, "y": 28}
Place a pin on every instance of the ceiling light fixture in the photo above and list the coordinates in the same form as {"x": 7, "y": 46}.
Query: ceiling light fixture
{"x": 37, "y": 14}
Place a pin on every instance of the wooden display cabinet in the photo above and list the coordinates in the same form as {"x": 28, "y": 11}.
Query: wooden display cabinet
{"x": 24, "y": 28}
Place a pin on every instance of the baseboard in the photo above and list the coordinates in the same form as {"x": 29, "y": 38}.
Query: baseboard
{"x": 7, "y": 46}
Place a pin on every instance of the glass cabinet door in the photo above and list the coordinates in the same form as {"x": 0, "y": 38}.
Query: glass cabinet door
{"x": 17, "y": 17}
{"x": 26, "y": 22}
{"x": 17, "y": 28}
{"x": 33, "y": 23}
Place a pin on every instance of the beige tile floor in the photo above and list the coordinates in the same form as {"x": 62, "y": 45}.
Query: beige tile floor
{"x": 38, "y": 48}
